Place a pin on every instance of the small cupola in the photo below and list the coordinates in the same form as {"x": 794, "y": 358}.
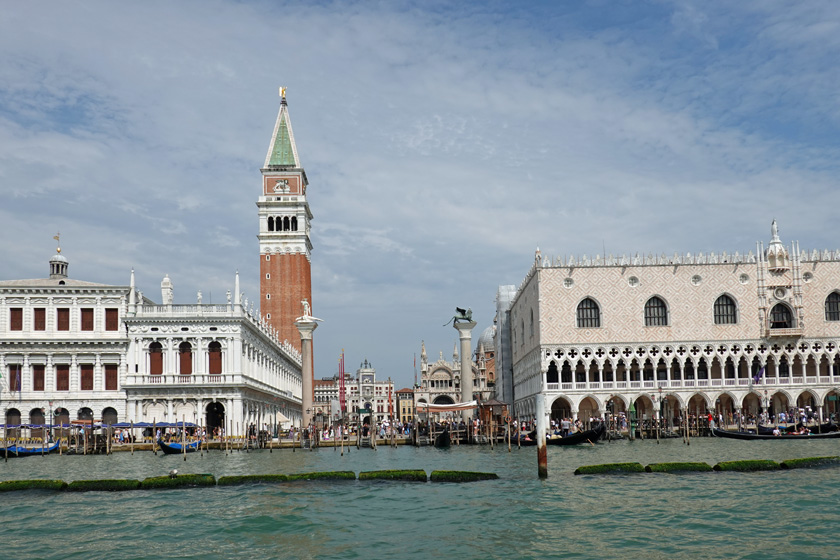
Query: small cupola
{"x": 59, "y": 263}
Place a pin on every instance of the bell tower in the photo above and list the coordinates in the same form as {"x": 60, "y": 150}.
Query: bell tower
{"x": 285, "y": 247}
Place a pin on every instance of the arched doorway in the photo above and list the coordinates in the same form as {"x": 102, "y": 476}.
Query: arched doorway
{"x": 61, "y": 417}
{"x": 13, "y": 419}
{"x": 560, "y": 409}
{"x": 779, "y": 405}
{"x": 85, "y": 414}
{"x": 109, "y": 416}
{"x": 36, "y": 417}
{"x": 588, "y": 410}
{"x": 215, "y": 418}
{"x": 832, "y": 406}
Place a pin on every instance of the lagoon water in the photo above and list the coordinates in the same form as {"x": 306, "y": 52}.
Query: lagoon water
{"x": 783, "y": 514}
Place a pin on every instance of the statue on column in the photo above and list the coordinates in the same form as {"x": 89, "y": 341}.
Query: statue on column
{"x": 461, "y": 315}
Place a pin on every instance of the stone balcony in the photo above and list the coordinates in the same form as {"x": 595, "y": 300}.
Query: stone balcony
{"x": 741, "y": 383}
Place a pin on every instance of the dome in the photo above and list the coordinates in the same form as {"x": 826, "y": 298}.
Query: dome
{"x": 486, "y": 338}
{"x": 59, "y": 258}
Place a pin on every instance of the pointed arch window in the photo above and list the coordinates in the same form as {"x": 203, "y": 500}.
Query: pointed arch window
{"x": 725, "y": 311}
{"x": 780, "y": 317}
{"x": 532, "y": 323}
{"x": 588, "y": 314}
{"x": 656, "y": 313}
{"x": 832, "y": 307}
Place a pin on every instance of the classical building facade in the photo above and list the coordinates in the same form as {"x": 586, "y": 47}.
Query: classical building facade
{"x": 440, "y": 381}
{"x": 75, "y": 350}
{"x": 71, "y": 349}
{"x": 697, "y": 333}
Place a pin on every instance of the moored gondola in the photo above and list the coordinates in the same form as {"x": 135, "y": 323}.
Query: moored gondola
{"x": 717, "y": 432}
{"x": 21, "y": 451}
{"x": 173, "y": 448}
{"x": 586, "y": 436}
{"x": 443, "y": 440}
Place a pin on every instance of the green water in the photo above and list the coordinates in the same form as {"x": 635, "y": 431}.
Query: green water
{"x": 784, "y": 514}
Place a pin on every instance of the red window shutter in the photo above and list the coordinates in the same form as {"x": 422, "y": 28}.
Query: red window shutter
{"x": 16, "y": 319}
{"x": 110, "y": 377}
{"x": 112, "y": 319}
{"x": 87, "y": 319}
{"x": 87, "y": 377}
{"x": 186, "y": 363}
{"x": 38, "y": 377}
{"x": 156, "y": 362}
{"x": 62, "y": 377}
{"x": 63, "y": 317}
{"x": 215, "y": 362}
{"x": 40, "y": 319}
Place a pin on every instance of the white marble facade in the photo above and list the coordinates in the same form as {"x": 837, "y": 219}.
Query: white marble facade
{"x": 215, "y": 364}
{"x": 588, "y": 336}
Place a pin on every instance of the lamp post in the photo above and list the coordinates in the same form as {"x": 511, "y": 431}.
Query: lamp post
{"x": 51, "y": 418}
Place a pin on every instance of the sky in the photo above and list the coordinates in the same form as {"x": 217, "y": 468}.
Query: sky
{"x": 444, "y": 143}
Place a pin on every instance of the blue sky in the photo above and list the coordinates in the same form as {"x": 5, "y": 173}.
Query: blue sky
{"x": 444, "y": 143}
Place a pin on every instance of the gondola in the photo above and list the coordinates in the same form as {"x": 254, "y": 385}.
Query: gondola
{"x": 586, "y": 436}
{"x": 21, "y": 451}
{"x": 524, "y": 440}
{"x": 821, "y": 429}
{"x": 173, "y": 448}
{"x": 717, "y": 432}
{"x": 443, "y": 439}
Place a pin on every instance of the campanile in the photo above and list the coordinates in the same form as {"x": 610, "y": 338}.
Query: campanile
{"x": 285, "y": 247}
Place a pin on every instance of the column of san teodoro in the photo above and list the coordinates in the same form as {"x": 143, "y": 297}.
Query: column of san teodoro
{"x": 79, "y": 350}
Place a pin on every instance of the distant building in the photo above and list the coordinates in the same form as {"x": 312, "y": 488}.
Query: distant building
{"x": 362, "y": 392}
{"x": 440, "y": 381}
{"x": 405, "y": 405}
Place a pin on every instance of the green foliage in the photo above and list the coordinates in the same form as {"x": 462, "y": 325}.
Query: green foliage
{"x": 461, "y": 476}
{"x": 410, "y": 476}
{"x": 678, "y": 467}
{"x": 180, "y": 481}
{"x": 747, "y": 466}
{"x": 807, "y": 462}
{"x": 112, "y": 485}
{"x": 13, "y": 485}
{"x": 252, "y": 479}
{"x": 329, "y": 475}
{"x": 611, "y": 468}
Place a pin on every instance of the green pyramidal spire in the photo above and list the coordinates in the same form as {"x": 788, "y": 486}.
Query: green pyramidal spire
{"x": 282, "y": 150}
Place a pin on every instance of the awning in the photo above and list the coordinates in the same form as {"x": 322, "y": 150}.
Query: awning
{"x": 426, "y": 407}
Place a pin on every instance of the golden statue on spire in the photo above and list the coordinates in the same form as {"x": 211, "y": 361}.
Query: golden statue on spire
{"x": 57, "y": 237}
{"x": 282, "y": 92}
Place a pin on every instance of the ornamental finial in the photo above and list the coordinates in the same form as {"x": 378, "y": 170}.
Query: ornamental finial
{"x": 282, "y": 92}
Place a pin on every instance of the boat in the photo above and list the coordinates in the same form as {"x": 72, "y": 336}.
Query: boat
{"x": 524, "y": 440}
{"x": 717, "y": 432}
{"x": 821, "y": 429}
{"x": 173, "y": 448}
{"x": 586, "y": 436}
{"x": 443, "y": 439}
{"x": 21, "y": 451}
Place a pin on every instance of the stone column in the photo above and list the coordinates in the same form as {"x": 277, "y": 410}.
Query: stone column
{"x": 306, "y": 325}
{"x": 465, "y": 332}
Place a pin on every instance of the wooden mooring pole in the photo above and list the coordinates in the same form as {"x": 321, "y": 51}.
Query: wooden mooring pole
{"x": 542, "y": 450}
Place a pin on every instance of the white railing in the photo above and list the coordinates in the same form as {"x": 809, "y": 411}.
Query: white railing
{"x": 686, "y": 383}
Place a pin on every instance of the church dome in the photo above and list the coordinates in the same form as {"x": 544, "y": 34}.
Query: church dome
{"x": 486, "y": 338}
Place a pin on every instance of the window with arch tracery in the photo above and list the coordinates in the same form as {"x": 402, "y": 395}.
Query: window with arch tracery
{"x": 588, "y": 314}
{"x": 725, "y": 311}
{"x": 780, "y": 317}
{"x": 832, "y": 307}
{"x": 656, "y": 313}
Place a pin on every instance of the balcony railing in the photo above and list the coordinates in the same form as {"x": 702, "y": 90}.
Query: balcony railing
{"x": 652, "y": 385}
